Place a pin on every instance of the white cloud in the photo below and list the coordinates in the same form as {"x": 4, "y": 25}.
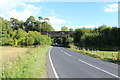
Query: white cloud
{"x": 55, "y": 20}
{"x": 58, "y": 27}
{"x": 21, "y": 10}
{"x": 17, "y": 9}
{"x": 57, "y": 23}
{"x": 21, "y": 15}
{"x": 20, "y": 0}
{"x": 111, "y": 8}
{"x": 27, "y": 11}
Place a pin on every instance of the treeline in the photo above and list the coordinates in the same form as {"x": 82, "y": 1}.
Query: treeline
{"x": 20, "y": 33}
{"x": 102, "y": 38}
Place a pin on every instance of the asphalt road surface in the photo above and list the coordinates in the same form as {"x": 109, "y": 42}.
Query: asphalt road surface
{"x": 65, "y": 63}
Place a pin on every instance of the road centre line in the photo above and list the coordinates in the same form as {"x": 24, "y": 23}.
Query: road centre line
{"x": 99, "y": 68}
{"x": 94, "y": 66}
{"x": 65, "y": 52}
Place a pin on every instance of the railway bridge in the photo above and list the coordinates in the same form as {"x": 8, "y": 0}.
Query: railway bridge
{"x": 54, "y": 34}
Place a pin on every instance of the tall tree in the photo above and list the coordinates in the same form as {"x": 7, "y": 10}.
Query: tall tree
{"x": 40, "y": 19}
{"x": 46, "y": 19}
{"x": 64, "y": 28}
{"x": 71, "y": 29}
{"x": 15, "y": 23}
{"x": 30, "y": 24}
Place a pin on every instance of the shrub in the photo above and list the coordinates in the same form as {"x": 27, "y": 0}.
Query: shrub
{"x": 7, "y": 41}
{"x": 30, "y": 41}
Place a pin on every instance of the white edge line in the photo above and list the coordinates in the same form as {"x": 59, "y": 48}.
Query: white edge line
{"x": 99, "y": 69}
{"x": 55, "y": 73}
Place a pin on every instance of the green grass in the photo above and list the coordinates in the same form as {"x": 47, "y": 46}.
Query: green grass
{"x": 104, "y": 55}
{"x": 109, "y": 53}
{"x": 82, "y": 52}
{"x": 30, "y": 66}
{"x": 12, "y": 53}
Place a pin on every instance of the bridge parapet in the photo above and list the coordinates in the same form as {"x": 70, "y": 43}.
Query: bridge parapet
{"x": 57, "y": 33}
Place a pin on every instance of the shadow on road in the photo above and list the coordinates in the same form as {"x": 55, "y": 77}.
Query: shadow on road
{"x": 58, "y": 45}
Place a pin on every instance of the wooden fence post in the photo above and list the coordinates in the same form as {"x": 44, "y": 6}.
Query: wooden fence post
{"x": 113, "y": 55}
{"x": 103, "y": 54}
{"x": 118, "y": 56}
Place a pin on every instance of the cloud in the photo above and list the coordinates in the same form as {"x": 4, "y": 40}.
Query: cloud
{"x": 17, "y": 9}
{"x": 111, "y": 8}
{"x": 27, "y": 11}
{"x": 20, "y": 0}
{"x": 56, "y": 22}
{"x": 21, "y": 10}
{"x": 21, "y": 15}
{"x": 58, "y": 28}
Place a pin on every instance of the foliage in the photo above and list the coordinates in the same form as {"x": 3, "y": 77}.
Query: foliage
{"x": 30, "y": 64}
{"x": 71, "y": 29}
{"x": 20, "y": 33}
{"x": 111, "y": 56}
{"x": 103, "y": 38}
{"x": 64, "y": 28}
{"x": 69, "y": 40}
{"x": 77, "y": 36}
{"x": 46, "y": 27}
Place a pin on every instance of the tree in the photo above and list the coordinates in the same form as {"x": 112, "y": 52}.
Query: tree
{"x": 46, "y": 19}
{"x": 77, "y": 36}
{"x": 69, "y": 40}
{"x": 37, "y": 27}
{"x": 23, "y": 33}
{"x": 40, "y": 18}
{"x": 64, "y": 28}
{"x": 30, "y": 41}
{"x": 19, "y": 36}
{"x": 71, "y": 29}
{"x": 47, "y": 27}
{"x": 15, "y": 23}
{"x": 31, "y": 19}
{"x": 30, "y": 25}
{"x": 21, "y": 25}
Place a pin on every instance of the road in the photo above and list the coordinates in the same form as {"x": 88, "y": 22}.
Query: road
{"x": 65, "y": 63}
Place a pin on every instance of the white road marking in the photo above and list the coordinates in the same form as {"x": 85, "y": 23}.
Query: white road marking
{"x": 56, "y": 75}
{"x": 99, "y": 69}
{"x": 61, "y": 50}
{"x": 65, "y": 52}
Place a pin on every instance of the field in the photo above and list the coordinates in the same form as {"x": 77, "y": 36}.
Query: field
{"x": 24, "y": 62}
{"x": 107, "y": 54}
{"x": 111, "y": 56}
{"x": 10, "y": 54}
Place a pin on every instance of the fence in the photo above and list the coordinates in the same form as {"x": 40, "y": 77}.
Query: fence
{"x": 115, "y": 55}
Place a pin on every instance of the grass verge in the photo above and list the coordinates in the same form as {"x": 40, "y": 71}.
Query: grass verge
{"x": 32, "y": 65}
{"x": 97, "y": 56}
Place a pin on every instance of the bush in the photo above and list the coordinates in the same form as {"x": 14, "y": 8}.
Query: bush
{"x": 69, "y": 40}
{"x": 39, "y": 39}
{"x": 30, "y": 41}
{"x": 7, "y": 41}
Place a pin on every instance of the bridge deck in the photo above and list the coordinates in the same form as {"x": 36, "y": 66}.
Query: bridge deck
{"x": 57, "y": 33}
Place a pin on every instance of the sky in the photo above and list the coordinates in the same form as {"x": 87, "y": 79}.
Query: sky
{"x": 71, "y": 14}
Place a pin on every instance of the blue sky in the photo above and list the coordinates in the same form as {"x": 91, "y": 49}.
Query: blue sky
{"x": 70, "y": 14}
